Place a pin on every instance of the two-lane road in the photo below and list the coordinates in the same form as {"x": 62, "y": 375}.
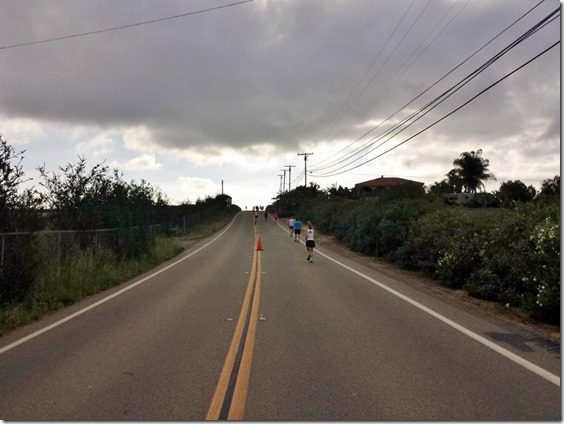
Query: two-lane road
{"x": 330, "y": 345}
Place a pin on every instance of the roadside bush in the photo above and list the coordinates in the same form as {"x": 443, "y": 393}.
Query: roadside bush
{"x": 428, "y": 238}
{"x": 503, "y": 262}
{"x": 370, "y": 225}
{"x": 545, "y": 274}
{"x": 324, "y": 214}
{"x": 342, "y": 222}
{"x": 484, "y": 284}
{"x": 524, "y": 255}
{"x": 363, "y": 233}
{"x": 405, "y": 257}
{"x": 390, "y": 236}
{"x": 394, "y": 229}
{"x": 460, "y": 258}
{"x": 504, "y": 255}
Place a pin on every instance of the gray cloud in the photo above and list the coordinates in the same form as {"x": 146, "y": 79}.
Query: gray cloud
{"x": 272, "y": 72}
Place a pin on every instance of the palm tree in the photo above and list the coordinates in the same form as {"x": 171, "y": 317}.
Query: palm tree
{"x": 455, "y": 181}
{"x": 472, "y": 169}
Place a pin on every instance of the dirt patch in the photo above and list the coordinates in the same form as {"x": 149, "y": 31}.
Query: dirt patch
{"x": 418, "y": 281}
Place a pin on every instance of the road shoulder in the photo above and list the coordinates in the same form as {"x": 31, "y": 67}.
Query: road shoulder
{"x": 490, "y": 311}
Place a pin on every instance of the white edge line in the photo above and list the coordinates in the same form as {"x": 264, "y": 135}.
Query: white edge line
{"x": 554, "y": 379}
{"x": 110, "y": 297}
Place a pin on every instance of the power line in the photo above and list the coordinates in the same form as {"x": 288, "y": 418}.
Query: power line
{"x": 298, "y": 178}
{"x": 415, "y": 116}
{"x": 451, "y": 112}
{"x": 349, "y": 101}
{"x": 462, "y": 105}
{"x": 389, "y": 56}
{"x": 403, "y": 68}
{"x": 447, "y": 94}
{"x": 117, "y": 28}
{"x": 395, "y": 48}
{"x": 360, "y": 149}
{"x": 403, "y": 125}
{"x": 400, "y": 72}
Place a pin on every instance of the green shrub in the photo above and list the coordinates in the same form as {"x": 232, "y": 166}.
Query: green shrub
{"x": 546, "y": 274}
{"x": 390, "y": 236}
{"x": 484, "y": 284}
{"x": 363, "y": 233}
{"x": 429, "y": 236}
{"x": 405, "y": 257}
{"x": 459, "y": 258}
{"x": 504, "y": 255}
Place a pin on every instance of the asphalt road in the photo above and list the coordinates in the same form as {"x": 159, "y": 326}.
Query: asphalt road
{"x": 331, "y": 343}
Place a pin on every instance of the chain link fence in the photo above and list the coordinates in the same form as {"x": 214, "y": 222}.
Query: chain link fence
{"x": 23, "y": 253}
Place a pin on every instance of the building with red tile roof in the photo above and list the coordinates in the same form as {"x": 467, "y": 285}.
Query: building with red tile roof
{"x": 386, "y": 182}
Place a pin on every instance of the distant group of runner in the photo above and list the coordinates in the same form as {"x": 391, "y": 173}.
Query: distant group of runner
{"x": 295, "y": 228}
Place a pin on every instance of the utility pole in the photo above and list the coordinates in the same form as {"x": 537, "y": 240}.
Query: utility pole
{"x": 305, "y": 155}
{"x": 280, "y": 175}
{"x": 284, "y": 185}
{"x": 290, "y": 176}
{"x": 222, "y": 187}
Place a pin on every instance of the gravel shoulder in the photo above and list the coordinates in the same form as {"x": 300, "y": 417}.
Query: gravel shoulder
{"x": 488, "y": 310}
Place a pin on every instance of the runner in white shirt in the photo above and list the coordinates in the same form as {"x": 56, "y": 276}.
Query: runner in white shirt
{"x": 310, "y": 241}
{"x": 291, "y": 226}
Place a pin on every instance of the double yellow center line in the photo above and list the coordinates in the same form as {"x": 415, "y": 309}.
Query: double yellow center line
{"x": 228, "y": 402}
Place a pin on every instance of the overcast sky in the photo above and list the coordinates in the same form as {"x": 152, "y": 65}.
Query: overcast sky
{"x": 235, "y": 93}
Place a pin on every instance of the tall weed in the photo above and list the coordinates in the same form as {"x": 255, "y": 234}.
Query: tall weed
{"x": 82, "y": 273}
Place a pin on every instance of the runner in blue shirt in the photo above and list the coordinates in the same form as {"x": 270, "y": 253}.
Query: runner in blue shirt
{"x": 297, "y": 230}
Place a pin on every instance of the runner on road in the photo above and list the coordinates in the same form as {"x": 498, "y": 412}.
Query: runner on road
{"x": 310, "y": 241}
{"x": 291, "y": 226}
{"x": 297, "y": 230}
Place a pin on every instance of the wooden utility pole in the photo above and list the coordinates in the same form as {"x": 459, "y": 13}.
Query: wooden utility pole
{"x": 280, "y": 175}
{"x": 305, "y": 155}
{"x": 290, "y": 176}
{"x": 284, "y": 185}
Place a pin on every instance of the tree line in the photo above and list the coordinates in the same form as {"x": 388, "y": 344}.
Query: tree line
{"x": 81, "y": 215}
{"x": 470, "y": 172}
{"x": 80, "y": 198}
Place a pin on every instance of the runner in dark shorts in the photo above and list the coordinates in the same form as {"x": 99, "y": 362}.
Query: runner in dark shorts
{"x": 310, "y": 242}
{"x": 297, "y": 230}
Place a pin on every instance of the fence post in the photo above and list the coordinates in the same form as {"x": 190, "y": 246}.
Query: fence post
{"x": 59, "y": 253}
{"x": 2, "y": 255}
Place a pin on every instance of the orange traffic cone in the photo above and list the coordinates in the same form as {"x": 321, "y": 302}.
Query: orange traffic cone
{"x": 259, "y": 245}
